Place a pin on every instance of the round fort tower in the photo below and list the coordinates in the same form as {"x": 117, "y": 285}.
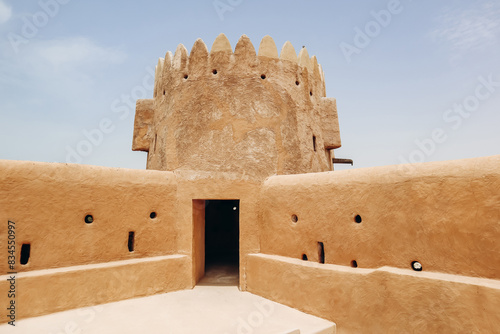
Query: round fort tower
{"x": 241, "y": 113}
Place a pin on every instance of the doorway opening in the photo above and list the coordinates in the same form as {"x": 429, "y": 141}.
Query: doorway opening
{"x": 216, "y": 241}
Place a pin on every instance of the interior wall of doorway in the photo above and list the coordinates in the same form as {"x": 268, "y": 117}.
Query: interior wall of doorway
{"x": 215, "y": 239}
{"x": 198, "y": 239}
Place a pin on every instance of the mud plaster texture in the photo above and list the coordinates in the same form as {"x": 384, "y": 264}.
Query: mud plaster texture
{"x": 245, "y": 114}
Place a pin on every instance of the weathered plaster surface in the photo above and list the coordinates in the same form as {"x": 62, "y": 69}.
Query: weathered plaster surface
{"x": 243, "y": 112}
{"x": 384, "y": 300}
{"x": 49, "y": 202}
{"x": 42, "y": 292}
{"x": 446, "y": 215}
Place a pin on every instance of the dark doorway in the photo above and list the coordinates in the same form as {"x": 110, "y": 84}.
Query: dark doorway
{"x": 222, "y": 236}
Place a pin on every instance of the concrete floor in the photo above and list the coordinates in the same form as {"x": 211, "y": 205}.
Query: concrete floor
{"x": 215, "y": 306}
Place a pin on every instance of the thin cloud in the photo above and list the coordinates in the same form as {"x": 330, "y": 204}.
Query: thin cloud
{"x": 77, "y": 55}
{"x": 5, "y": 12}
{"x": 76, "y": 52}
{"x": 63, "y": 67}
{"x": 470, "y": 29}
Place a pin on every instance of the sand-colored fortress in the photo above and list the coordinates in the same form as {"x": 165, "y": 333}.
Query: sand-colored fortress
{"x": 247, "y": 138}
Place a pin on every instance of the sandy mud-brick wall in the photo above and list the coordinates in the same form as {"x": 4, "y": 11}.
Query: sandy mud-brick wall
{"x": 75, "y": 223}
{"x": 49, "y": 204}
{"x": 369, "y": 226}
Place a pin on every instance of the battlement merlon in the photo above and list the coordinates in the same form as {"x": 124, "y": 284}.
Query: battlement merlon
{"x": 201, "y": 74}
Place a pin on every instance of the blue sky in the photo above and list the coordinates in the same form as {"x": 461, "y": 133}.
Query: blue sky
{"x": 414, "y": 80}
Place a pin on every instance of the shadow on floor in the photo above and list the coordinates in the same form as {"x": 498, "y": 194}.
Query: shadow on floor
{"x": 221, "y": 275}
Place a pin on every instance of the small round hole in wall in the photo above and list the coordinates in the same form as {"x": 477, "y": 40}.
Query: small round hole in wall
{"x": 89, "y": 219}
{"x": 295, "y": 218}
{"x": 152, "y": 215}
{"x": 263, "y": 76}
{"x": 297, "y": 83}
{"x": 358, "y": 219}
{"x": 185, "y": 76}
{"x": 311, "y": 93}
{"x": 417, "y": 266}
{"x": 304, "y": 257}
{"x": 214, "y": 72}
{"x": 354, "y": 264}
{"x": 164, "y": 92}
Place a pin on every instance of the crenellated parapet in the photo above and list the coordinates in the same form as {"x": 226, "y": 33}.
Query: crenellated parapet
{"x": 184, "y": 64}
{"x": 238, "y": 112}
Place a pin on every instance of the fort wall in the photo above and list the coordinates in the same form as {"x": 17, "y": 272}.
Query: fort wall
{"x": 74, "y": 261}
{"x": 443, "y": 215}
{"x": 241, "y": 112}
{"x": 50, "y": 202}
{"x": 382, "y": 300}
{"x": 373, "y": 223}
